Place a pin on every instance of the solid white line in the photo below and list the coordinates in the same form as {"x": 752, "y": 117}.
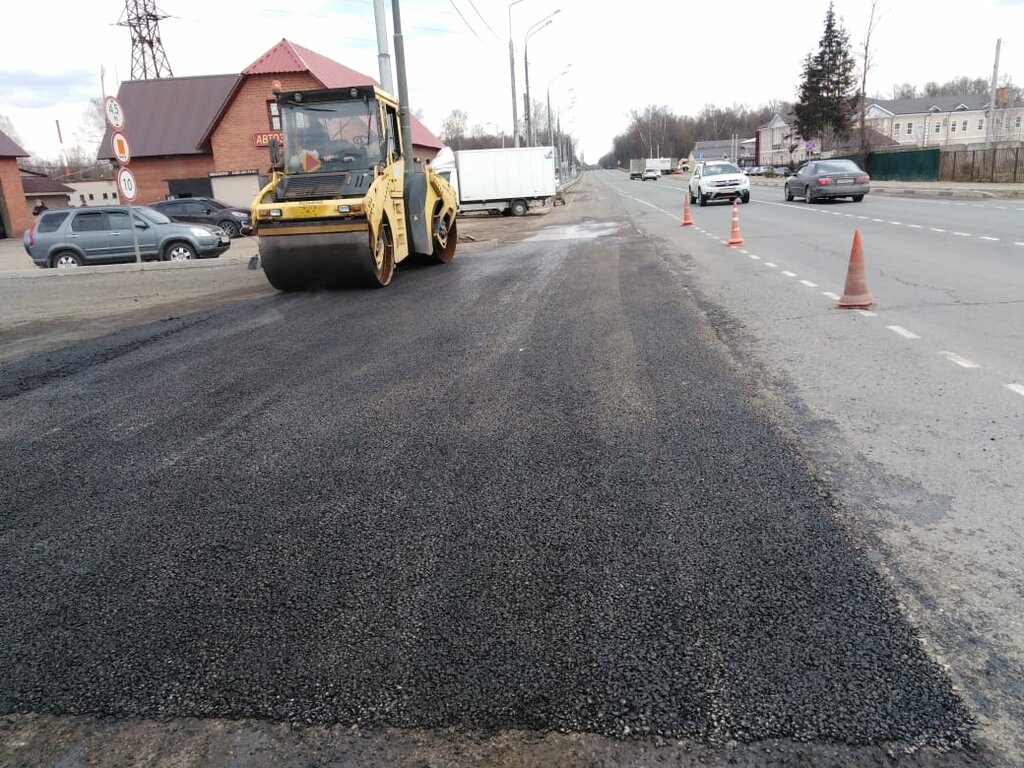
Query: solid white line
{"x": 963, "y": 362}
{"x": 769, "y": 264}
{"x": 808, "y": 283}
{"x": 830, "y": 295}
{"x": 962, "y": 234}
{"x": 787, "y": 273}
{"x": 935, "y": 229}
{"x": 902, "y": 331}
{"x": 864, "y": 312}
{"x": 1018, "y": 388}
{"x": 992, "y": 239}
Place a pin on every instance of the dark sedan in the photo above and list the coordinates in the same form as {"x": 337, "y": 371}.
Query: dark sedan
{"x": 820, "y": 179}
{"x": 206, "y": 210}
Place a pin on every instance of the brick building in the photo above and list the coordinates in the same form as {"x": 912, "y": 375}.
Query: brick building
{"x": 208, "y": 136}
{"x": 14, "y": 218}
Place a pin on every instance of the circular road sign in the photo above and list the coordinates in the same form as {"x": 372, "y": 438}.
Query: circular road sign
{"x": 119, "y": 144}
{"x": 126, "y": 183}
{"x": 114, "y": 112}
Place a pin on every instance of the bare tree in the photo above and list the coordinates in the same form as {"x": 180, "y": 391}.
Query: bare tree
{"x": 866, "y": 62}
{"x": 453, "y": 127}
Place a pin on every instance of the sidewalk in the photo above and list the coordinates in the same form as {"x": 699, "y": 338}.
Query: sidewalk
{"x": 949, "y": 189}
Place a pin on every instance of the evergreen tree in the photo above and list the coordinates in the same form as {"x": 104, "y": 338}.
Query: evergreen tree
{"x": 828, "y": 89}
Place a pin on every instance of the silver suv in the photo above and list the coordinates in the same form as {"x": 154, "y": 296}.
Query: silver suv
{"x": 717, "y": 180}
{"x": 72, "y": 237}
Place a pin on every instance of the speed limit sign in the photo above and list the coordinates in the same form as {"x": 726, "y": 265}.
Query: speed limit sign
{"x": 114, "y": 112}
{"x": 126, "y": 183}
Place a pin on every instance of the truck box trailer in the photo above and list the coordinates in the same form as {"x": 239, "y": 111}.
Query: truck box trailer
{"x": 508, "y": 181}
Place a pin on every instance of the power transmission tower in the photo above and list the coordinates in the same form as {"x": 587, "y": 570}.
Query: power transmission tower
{"x": 149, "y": 60}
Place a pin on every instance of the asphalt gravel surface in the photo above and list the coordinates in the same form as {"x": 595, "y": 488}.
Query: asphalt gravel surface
{"x": 530, "y": 489}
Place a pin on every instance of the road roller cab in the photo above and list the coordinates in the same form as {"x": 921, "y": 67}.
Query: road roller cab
{"x": 341, "y": 208}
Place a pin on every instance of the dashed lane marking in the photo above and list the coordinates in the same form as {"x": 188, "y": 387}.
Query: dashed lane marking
{"x": 865, "y": 312}
{"x": 830, "y": 295}
{"x": 992, "y": 239}
{"x": 808, "y": 283}
{"x": 770, "y": 264}
{"x": 963, "y": 362}
{"x": 903, "y": 332}
{"x": 936, "y": 229}
{"x": 1018, "y": 388}
{"x": 915, "y": 226}
{"x": 787, "y": 273}
{"x": 962, "y": 234}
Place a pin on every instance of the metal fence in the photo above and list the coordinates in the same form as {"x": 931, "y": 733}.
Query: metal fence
{"x": 906, "y": 165}
{"x": 1005, "y": 165}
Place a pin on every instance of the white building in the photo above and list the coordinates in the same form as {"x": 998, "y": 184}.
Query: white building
{"x": 93, "y": 192}
{"x": 945, "y": 121}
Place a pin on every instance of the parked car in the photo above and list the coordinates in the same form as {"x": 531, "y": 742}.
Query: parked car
{"x": 717, "y": 180}
{"x": 206, "y": 210}
{"x": 72, "y": 237}
{"x": 819, "y": 179}
{"x": 651, "y": 173}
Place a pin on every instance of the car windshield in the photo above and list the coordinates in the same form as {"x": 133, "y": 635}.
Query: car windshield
{"x": 720, "y": 169}
{"x": 330, "y": 137}
{"x": 838, "y": 166}
{"x": 151, "y": 214}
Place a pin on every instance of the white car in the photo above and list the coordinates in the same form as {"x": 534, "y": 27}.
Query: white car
{"x": 651, "y": 173}
{"x": 718, "y": 180}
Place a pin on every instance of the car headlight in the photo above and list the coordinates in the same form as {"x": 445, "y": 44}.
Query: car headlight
{"x": 200, "y": 232}
{"x": 240, "y": 215}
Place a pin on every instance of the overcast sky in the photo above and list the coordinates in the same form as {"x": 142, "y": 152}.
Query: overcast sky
{"x": 621, "y": 57}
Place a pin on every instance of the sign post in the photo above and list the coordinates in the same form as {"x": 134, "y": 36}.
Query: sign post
{"x": 126, "y": 185}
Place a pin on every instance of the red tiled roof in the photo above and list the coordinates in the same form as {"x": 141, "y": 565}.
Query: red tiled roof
{"x": 287, "y": 57}
{"x": 34, "y": 185}
{"x": 8, "y": 147}
{"x": 170, "y": 116}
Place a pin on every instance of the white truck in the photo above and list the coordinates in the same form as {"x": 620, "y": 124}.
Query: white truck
{"x": 507, "y": 181}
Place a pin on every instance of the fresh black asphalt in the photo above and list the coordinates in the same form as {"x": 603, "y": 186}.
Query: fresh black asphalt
{"x": 529, "y": 490}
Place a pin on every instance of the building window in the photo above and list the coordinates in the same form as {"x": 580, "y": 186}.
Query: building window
{"x": 938, "y": 127}
{"x": 952, "y": 127}
{"x": 981, "y": 123}
{"x": 91, "y": 196}
{"x": 274, "y": 115}
{"x": 896, "y": 129}
{"x": 910, "y": 129}
{"x": 963, "y": 126}
{"x": 104, "y": 195}
{"x": 1016, "y": 123}
{"x": 82, "y": 198}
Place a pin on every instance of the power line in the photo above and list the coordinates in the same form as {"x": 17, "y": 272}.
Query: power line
{"x": 464, "y": 21}
{"x": 484, "y": 21}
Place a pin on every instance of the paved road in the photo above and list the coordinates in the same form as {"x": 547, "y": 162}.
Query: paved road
{"x": 917, "y": 408}
{"x": 531, "y": 490}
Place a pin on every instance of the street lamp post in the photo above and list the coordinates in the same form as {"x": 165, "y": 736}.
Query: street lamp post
{"x": 526, "y": 66}
{"x": 512, "y": 74}
{"x": 560, "y": 74}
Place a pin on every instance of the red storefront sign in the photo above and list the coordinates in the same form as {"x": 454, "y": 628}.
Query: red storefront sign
{"x": 262, "y": 139}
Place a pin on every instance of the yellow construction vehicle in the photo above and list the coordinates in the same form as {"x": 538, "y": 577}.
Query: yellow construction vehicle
{"x": 343, "y": 206}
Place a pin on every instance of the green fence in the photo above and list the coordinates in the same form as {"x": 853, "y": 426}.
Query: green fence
{"x": 911, "y": 165}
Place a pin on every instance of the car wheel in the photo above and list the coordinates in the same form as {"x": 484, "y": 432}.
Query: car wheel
{"x": 858, "y": 198}
{"x": 230, "y": 228}
{"x": 789, "y": 193}
{"x": 66, "y": 259}
{"x": 703, "y": 198}
{"x": 745, "y": 198}
{"x": 807, "y": 195}
{"x": 179, "y": 252}
{"x": 693, "y": 198}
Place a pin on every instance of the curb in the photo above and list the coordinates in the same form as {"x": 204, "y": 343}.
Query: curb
{"x": 103, "y": 269}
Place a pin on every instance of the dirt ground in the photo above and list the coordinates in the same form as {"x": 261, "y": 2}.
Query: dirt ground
{"x": 41, "y": 310}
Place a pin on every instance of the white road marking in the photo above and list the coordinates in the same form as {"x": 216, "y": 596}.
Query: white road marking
{"x": 963, "y": 362}
{"x": 936, "y": 229}
{"x": 962, "y": 234}
{"x": 808, "y": 283}
{"x": 880, "y": 221}
{"x": 1019, "y": 243}
{"x": 830, "y": 295}
{"x": 897, "y": 223}
{"x": 756, "y": 258}
{"x": 993, "y": 239}
{"x": 915, "y": 226}
{"x": 863, "y": 218}
{"x": 769, "y": 264}
{"x": 744, "y": 250}
{"x": 787, "y": 273}
{"x": 864, "y": 312}
{"x": 1018, "y": 388}
{"x": 903, "y": 332}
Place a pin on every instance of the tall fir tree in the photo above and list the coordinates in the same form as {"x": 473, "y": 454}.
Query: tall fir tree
{"x": 828, "y": 88}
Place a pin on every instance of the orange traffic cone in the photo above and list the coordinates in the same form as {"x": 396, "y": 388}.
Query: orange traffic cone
{"x": 687, "y": 219}
{"x": 855, "y": 294}
{"x": 735, "y": 238}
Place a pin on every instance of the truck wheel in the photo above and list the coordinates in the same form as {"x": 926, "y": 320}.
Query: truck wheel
{"x": 519, "y": 208}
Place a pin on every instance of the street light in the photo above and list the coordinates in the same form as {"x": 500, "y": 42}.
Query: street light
{"x": 560, "y": 74}
{"x": 526, "y": 66}
{"x": 512, "y": 73}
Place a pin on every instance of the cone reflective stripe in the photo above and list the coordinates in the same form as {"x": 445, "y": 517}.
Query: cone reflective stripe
{"x": 687, "y": 220}
{"x": 855, "y": 294}
{"x": 735, "y": 238}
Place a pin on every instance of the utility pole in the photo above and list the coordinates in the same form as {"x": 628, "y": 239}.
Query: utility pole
{"x": 383, "y": 52}
{"x": 512, "y": 74}
{"x": 989, "y": 134}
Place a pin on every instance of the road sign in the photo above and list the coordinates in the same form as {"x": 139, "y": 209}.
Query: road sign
{"x": 700, "y": 155}
{"x": 119, "y": 144}
{"x": 114, "y": 112}
{"x": 810, "y": 146}
{"x": 126, "y": 183}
